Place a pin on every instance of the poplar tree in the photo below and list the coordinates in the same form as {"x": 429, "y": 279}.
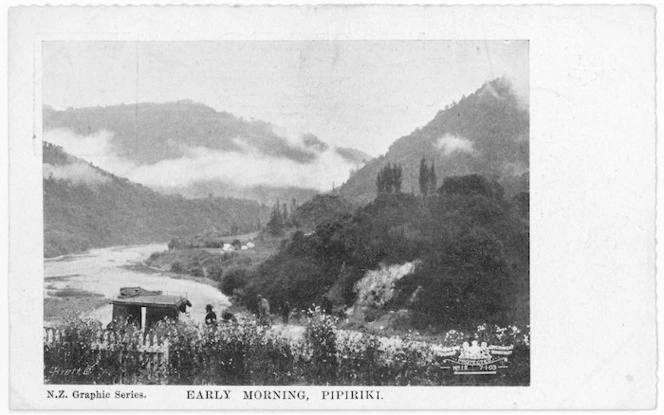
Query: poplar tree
{"x": 425, "y": 177}
{"x": 397, "y": 175}
{"x": 433, "y": 180}
{"x": 390, "y": 179}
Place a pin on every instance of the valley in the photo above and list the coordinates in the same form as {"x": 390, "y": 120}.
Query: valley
{"x": 418, "y": 250}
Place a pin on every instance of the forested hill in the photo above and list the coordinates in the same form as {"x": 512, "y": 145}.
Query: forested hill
{"x": 467, "y": 242}
{"x": 485, "y": 133}
{"x": 86, "y": 207}
{"x": 148, "y": 133}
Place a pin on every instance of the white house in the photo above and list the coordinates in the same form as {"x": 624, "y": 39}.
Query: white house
{"x": 228, "y": 247}
{"x": 250, "y": 245}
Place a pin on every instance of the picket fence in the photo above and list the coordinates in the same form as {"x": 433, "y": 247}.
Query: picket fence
{"x": 145, "y": 347}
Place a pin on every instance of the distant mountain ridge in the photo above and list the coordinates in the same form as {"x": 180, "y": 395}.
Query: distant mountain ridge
{"x": 86, "y": 207}
{"x": 485, "y": 133}
{"x": 210, "y": 147}
{"x": 267, "y": 195}
{"x": 151, "y": 132}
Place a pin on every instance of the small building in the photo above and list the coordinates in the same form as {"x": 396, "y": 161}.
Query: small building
{"x": 244, "y": 247}
{"x": 228, "y": 247}
{"x": 250, "y": 245}
{"x": 144, "y": 308}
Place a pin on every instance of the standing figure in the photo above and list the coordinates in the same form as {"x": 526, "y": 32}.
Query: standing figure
{"x": 285, "y": 311}
{"x": 210, "y": 317}
{"x": 263, "y": 311}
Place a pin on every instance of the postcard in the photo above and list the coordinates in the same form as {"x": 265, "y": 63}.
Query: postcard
{"x": 330, "y": 207}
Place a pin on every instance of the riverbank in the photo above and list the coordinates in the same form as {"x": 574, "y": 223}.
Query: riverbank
{"x": 83, "y": 285}
{"x": 210, "y": 265}
{"x": 144, "y": 268}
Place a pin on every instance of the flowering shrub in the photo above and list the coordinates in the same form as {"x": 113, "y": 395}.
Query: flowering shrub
{"x": 321, "y": 337}
{"x": 231, "y": 354}
{"x": 245, "y": 353}
{"x": 494, "y": 334}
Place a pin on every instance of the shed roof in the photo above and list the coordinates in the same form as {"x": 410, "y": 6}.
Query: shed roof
{"x": 151, "y": 301}
{"x": 144, "y": 298}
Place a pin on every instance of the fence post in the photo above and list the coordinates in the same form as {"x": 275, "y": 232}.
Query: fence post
{"x": 166, "y": 351}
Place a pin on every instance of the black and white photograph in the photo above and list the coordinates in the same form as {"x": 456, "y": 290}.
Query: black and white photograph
{"x": 332, "y": 207}
{"x": 286, "y": 213}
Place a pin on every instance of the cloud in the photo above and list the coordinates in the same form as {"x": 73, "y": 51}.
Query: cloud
{"x": 96, "y": 148}
{"x": 519, "y": 82}
{"x": 450, "y": 143}
{"x": 77, "y": 172}
{"x": 489, "y": 89}
{"x": 352, "y": 155}
{"x": 248, "y": 167}
{"x": 272, "y": 145}
{"x": 204, "y": 164}
{"x": 517, "y": 86}
{"x": 313, "y": 142}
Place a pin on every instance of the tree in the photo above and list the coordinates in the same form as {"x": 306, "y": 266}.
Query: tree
{"x": 390, "y": 179}
{"x": 387, "y": 174}
{"x": 233, "y": 279}
{"x": 397, "y": 176}
{"x": 433, "y": 180}
{"x": 275, "y": 226}
{"x": 428, "y": 179}
{"x": 424, "y": 177}
{"x": 284, "y": 212}
{"x": 380, "y": 183}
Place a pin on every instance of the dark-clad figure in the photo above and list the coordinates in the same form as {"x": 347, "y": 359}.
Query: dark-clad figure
{"x": 285, "y": 311}
{"x": 210, "y": 317}
{"x": 263, "y": 311}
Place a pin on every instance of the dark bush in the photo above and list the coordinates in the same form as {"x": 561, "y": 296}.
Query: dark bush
{"x": 234, "y": 278}
{"x": 372, "y": 314}
{"x": 472, "y": 184}
{"x": 174, "y": 244}
{"x": 197, "y": 272}
{"x": 215, "y": 272}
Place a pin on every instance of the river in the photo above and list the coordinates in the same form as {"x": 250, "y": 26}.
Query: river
{"x": 104, "y": 271}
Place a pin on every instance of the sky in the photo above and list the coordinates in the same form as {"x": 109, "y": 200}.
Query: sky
{"x": 359, "y": 94}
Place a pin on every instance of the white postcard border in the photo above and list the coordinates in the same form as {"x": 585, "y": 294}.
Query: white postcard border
{"x": 592, "y": 185}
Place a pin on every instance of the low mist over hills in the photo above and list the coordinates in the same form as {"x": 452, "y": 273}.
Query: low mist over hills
{"x": 87, "y": 207}
{"x": 267, "y": 195}
{"x": 485, "y": 133}
{"x": 189, "y": 148}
